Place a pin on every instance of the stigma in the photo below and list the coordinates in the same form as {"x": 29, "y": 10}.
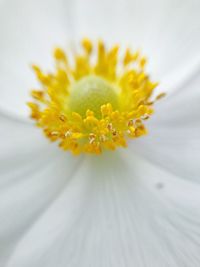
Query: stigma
{"x": 90, "y": 93}
{"x": 96, "y": 103}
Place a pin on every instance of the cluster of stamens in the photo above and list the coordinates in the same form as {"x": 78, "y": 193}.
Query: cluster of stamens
{"x": 90, "y": 107}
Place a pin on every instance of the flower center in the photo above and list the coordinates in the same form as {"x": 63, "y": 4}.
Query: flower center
{"x": 90, "y": 93}
{"x": 97, "y": 102}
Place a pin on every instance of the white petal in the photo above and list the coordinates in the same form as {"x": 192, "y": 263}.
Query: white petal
{"x": 29, "y": 31}
{"x": 32, "y": 174}
{"x": 167, "y": 31}
{"x": 173, "y": 141}
{"x": 118, "y": 210}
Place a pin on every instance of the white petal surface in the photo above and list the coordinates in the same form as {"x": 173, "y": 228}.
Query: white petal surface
{"x": 173, "y": 141}
{"x": 118, "y": 210}
{"x": 29, "y": 31}
{"x": 32, "y": 174}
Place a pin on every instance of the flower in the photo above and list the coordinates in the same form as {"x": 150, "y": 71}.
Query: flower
{"x": 135, "y": 206}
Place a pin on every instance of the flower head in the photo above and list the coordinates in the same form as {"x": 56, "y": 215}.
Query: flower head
{"x": 96, "y": 102}
{"x": 135, "y": 207}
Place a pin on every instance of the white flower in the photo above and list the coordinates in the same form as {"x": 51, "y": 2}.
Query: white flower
{"x": 135, "y": 207}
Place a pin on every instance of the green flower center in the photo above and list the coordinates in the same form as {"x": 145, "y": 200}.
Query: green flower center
{"x": 91, "y": 92}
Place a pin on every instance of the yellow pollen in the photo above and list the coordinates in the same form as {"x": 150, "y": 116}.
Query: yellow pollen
{"x": 97, "y": 103}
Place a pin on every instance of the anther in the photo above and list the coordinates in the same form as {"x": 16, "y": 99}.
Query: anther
{"x": 130, "y": 122}
{"x": 114, "y": 132}
{"x": 92, "y": 138}
{"x": 145, "y": 117}
{"x": 138, "y": 123}
{"x": 68, "y": 134}
{"x": 54, "y": 133}
{"x": 128, "y": 131}
{"x": 62, "y": 118}
{"x": 161, "y": 95}
{"x": 102, "y": 138}
{"x": 110, "y": 127}
{"x": 91, "y": 135}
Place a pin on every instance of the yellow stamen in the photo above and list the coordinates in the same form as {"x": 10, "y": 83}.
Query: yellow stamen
{"x": 90, "y": 107}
